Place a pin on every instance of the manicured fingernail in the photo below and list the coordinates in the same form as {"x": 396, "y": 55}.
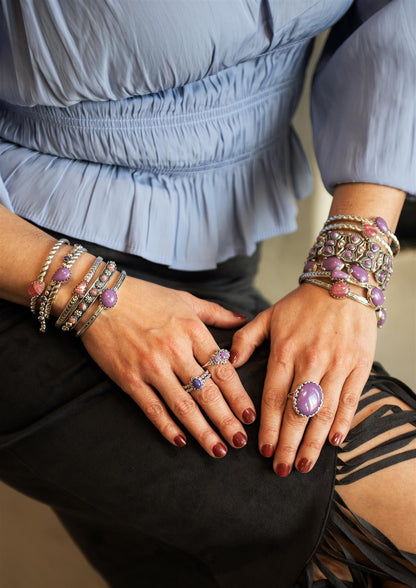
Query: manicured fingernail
{"x": 249, "y": 416}
{"x": 336, "y": 439}
{"x": 240, "y": 316}
{"x": 282, "y": 470}
{"x": 239, "y": 439}
{"x": 180, "y": 441}
{"x": 219, "y": 450}
{"x": 267, "y": 450}
{"x": 233, "y": 356}
{"x": 304, "y": 465}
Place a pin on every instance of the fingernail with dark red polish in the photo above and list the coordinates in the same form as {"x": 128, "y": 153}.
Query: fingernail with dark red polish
{"x": 304, "y": 465}
{"x": 180, "y": 441}
{"x": 267, "y": 450}
{"x": 282, "y": 470}
{"x": 219, "y": 450}
{"x": 240, "y": 316}
{"x": 336, "y": 439}
{"x": 249, "y": 416}
{"x": 239, "y": 439}
{"x": 233, "y": 356}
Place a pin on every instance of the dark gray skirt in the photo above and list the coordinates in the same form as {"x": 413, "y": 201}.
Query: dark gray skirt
{"x": 151, "y": 515}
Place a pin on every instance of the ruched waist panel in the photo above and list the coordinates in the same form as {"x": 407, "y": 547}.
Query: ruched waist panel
{"x": 213, "y": 122}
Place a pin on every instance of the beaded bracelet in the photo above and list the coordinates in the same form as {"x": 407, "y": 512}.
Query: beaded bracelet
{"x": 108, "y": 300}
{"x": 90, "y": 296}
{"x": 78, "y": 292}
{"x": 36, "y": 288}
{"x": 369, "y": 224}
{"x": 62, "y": 275}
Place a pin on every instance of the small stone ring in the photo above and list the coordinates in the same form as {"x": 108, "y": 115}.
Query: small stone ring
{"x": 307, "y": 399}
{"x": 196, "y": 384}
{"x": 220, "y": 357}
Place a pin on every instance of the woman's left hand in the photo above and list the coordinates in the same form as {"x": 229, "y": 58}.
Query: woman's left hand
{"x": 313, "y": 337}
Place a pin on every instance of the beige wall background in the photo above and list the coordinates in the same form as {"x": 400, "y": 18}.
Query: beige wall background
{"x": 36, "y": 552}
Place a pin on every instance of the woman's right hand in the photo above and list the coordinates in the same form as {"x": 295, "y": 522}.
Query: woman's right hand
{"x": 152, "y": 343}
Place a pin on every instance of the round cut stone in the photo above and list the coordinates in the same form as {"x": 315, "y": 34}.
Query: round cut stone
{"x": 359, "y": 273}
{"x": 109, "y": 298}
{"x": 355, "y": 239}
{"x": 339, "y": 290}
{"x": 62, "y": 274}
{"x": 36, "y": 288}
{"x": 224, "y": 354}
{"x": 376, "y": 296}
{"x": 334, "y": 235}
{"x": 331, "y": 263}
{"x": 308, "y": 399}
{"x": 381, "y": 224}
{"x": 348, "y": 254}
{"x": 328, "y": 250}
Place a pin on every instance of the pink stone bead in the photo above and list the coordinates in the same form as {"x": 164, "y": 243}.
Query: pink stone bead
{"x": 339, "y": 290}
{"x": 94, "y": 292}
{"x": 83, "y": 307}
{"x": 103, "y": 278}
{"x": 36, "y": 288}
{"x": 79, "y": 290}
{"x": 369, "y": 230}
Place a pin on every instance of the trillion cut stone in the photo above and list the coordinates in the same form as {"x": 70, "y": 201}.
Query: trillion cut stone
{"x": 36, "y": 288}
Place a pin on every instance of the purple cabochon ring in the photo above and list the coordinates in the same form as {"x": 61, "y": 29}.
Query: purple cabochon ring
{"x": 196, "y": 384}
{"x": 220, "y": 357}
{"x": 307, "y": 399}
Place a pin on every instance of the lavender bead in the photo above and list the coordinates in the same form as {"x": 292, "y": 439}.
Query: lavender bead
{"x": 339, "y": 275}
{"x": 62, "y": 274}
{"x": 381, "y": 224}
{"x": 196, "y": 383}
{"x": 376, "y": 296}
{"x": 332, "y": 263}
{"x": 359, "y": 273}
{"x": 108, "y": 298}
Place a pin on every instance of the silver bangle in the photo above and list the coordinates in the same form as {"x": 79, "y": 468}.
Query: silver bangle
{"x": 374, "y": 222}
{"x": 103, "y": 305}
{"x": 358, "y": 229}
{"x": 37, "y": 287}
{"x": 78, "y": 292}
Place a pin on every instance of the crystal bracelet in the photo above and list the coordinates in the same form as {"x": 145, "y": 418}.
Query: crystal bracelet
{"x": 108, "y": 300}
{"x": 62, "y": 274}
{"x": 78, "y": 292}
{"x": 378, "y": 223}
{"x": 90, "y": 296}
{"x": 36, "y": 288}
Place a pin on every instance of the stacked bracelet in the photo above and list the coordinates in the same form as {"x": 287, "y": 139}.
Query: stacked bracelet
{"x": 108, "y": 300}
{"x": 36, "y": 288}
{"x": 344, "y": 260}
{"x": 62, "y": 275}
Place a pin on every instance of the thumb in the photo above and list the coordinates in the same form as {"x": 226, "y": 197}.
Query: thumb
{"x": 214, "y": 314}
{"x": 249, "y": 337}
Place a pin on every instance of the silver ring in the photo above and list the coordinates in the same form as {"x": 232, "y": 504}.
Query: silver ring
{"x": 196, "y": 384}
{"x": 220, "y": 357}
{"x": 307, "y": 399}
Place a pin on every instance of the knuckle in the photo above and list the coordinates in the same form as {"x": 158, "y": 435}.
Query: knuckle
{"x": 185, "y": 407}
{"x": 167, "y": 430}
{"x": 209, "y": 394}
{"x": 314, "y": 444}
{"x": 269, "y": 431}
{"x": 283, "y": 353}
{"x": 224, "y": 373}
{"x": 204, "y": 437}
{"x": 326, "y": 414}
{"x": 343, "y": 423}
{"x": 288, "y": 449}
{"x": 273, "y": 400}
{"x": 349, "y": 400}
{"x": 154, "y": 410}
{"x": 227, "y": 422}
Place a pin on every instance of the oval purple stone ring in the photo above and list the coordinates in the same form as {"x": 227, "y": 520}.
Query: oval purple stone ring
{"x": 307, "y": 399}
{"x": 196, "y": 384}
{"x": 220, "y": 357}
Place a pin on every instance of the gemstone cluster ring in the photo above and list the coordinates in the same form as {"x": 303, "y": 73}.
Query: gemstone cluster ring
{"x": 307, "y": 399}
{"x": 220, "y": 357}
{"x": 196, "y": 384}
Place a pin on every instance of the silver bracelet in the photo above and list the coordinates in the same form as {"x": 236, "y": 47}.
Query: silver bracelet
{"x": 108, "y": 300}
{"x": 36, "y": 288}
{"x": 78, "y": 292}
{"x": 358, "y": 229}
{"x": 378, "y": 223}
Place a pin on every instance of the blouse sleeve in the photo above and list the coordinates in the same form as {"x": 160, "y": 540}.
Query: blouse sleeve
{"x": 364, "y": 97}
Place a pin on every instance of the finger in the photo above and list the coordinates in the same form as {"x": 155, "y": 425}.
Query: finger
{"x": 213, "y": 314}
{"x": 249, "y": 337}
{"x": 320, "y": 424}
{"x": 210, "y": 398}
{"x": 184, "y": 407}
{"x": 156, "y": 412}
{"x": 350, "y": 396}
{"x": 228, "y": 382}
{"x": 279, "y": 376}
{"x": 293, "y": 426}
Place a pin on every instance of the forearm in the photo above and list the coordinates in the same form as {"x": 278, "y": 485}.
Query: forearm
{"x": 368, "y": 201}
{"x": 24, "y": 248}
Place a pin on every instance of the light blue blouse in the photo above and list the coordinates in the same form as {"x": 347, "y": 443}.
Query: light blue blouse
{"x": 163, "y": 127}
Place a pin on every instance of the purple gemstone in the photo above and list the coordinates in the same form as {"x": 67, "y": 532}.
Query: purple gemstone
{"x": 339, "y": 275}
{"x": 351, "y": 247}
{"x": 309, "y": 266}
{"x": 67, "y": 258}
{"x": 355, "y": 239}
{"x": 334, "y": 235}
{"x": 332, "y": 263}
{"x": 108, "y": 298}
{"x": 196, "y": 383}
{"x": 328, "y": 250}
{"x": 377, "y": 296}
{"x": 224, "y": 354}
{"x": 382, "y": 316}
{"x": 330, "y": 242}
{"x": 371, "y": 255}
{"x": 62, "y": 274}
{"x": 382, "y": 277}
{"x": 348, "y": 254}
{"x": 359, "y": 273}
{"x": 367, "y": 262}
{"x": 381, "y": 224}
{"x": 375, "y": 247}
{"x": 308, "y": 399}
